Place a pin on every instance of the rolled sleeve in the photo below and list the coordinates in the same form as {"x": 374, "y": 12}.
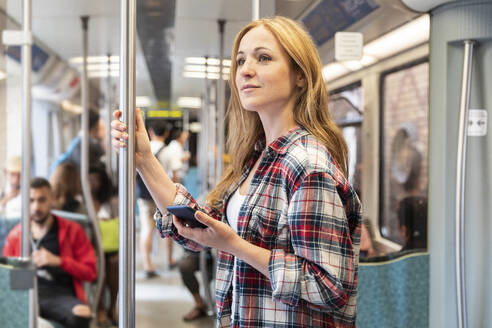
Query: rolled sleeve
{"x": 322, "y": 268}
{"x": 285, "y": 276}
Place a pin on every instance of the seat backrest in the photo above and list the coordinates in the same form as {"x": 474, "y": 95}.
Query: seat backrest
{"x": 394, "y": 293}
{"x": 14, "y": 295}
{"x": 81, "y": 219}
{"x": 6, "y": 224}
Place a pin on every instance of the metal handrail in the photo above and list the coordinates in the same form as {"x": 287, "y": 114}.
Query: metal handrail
{"x": 109, "y": 149}
{"x": 255, "y": 9}
{"x": 126, "y": 300}
{"x": 460, "y": 184}
{"x": 203, "y": 139}
{"x": 220, "y": 106}
{"x": 84, "y": 169}
{"x": 27, "y": 151}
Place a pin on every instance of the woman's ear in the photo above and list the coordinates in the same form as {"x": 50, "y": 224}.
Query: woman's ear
{"x": 300, "y": 79}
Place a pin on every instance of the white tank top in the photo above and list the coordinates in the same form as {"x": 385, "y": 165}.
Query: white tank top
{"x": 233, "y": 208}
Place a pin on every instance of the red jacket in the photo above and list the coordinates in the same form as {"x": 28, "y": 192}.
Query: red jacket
{"x": 76, "y": 252}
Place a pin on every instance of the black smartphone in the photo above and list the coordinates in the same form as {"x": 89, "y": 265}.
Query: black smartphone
{"x": 187, "y": 215}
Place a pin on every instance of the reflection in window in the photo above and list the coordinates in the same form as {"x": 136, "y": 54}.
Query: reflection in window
{"x": 404, "y": 137}
{"x": 346, "y": 110}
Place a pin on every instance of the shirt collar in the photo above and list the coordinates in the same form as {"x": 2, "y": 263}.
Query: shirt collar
{"x": 282, "y": 144}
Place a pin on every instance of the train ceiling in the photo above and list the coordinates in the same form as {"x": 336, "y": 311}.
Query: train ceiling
{"x": 171, "y": 30}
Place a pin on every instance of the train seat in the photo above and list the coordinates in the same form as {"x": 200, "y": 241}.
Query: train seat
{"x": 16, "y": 279}
{"x": 6, "y": 224}
{"x": 393, "y": 290}
{"x": 81, "y": 219}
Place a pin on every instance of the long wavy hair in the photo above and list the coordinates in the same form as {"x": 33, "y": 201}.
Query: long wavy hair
{"x": 65, "y": 185}
{"x": 310, "y": 109}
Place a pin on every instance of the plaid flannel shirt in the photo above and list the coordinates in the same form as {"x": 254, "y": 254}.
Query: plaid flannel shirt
{"x": 301, "y": 207}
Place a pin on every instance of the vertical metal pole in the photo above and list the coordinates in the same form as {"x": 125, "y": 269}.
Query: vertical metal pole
{"x": 26, "y": 152}
{"x": 109, "y": 149}
{"x": 210, "y": 131}
{"x": 126, "y": 301}
{"x": 186, "y": 127}
{"x": 220, "y": 106}
{"x": 27, "y": 133}
{"x": 460, "y": 184}
{"x": 212, "y": 140}
{"x": 57, "y": 133}
{"x": 84, "y": 167}
{"x": 255, "y": 14}
{"x": 203, "y": 141}
{"x": 186, "y": 119}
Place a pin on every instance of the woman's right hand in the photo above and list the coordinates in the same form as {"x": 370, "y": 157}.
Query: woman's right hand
{"x": 119, "y": 136}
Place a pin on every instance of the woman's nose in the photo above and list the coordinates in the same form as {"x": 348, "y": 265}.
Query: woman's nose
{"x": 247, "y": 69}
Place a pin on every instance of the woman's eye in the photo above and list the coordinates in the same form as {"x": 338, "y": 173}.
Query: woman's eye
{"x": 263, "y": 58}
{"x": 240, "y": 61}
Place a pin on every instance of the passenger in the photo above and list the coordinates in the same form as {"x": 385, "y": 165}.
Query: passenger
{"x": 367, "y": 248}
{"x": 188, "y": 265}
{"x": 96, "y": 140}
{"x": 175, "y": 157}
{"x": 284, "y": 218}
{"x": 105, "y": 205}
{"x": 412, "y": 214}
{"x": 191, "y": 180}
{"x": 64, "y": 258}
{"x": 366, "y": 240}
{"x": 146, "y": 206}
{"x": 67, "y": 191}
{"x": 10, "y": 198}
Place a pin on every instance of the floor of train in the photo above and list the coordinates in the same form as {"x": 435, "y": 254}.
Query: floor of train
{"x": 163, "y": 301}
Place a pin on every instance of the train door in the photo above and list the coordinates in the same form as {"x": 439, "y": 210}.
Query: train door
{"x": 460, "y": 263}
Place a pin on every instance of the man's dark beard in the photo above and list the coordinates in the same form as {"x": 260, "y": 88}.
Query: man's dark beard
{"x": 42, "y": 220}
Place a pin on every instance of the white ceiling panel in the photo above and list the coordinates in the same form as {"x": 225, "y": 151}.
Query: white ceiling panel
{"x": 57, "y": 24}
{"x": 197, "y": 35}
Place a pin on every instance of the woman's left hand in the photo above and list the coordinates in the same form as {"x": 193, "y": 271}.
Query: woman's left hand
{"x": 218, "y": 234}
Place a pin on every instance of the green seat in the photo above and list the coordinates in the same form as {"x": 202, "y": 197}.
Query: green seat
{"x": 81, "y": 219}
{"x": 394, "y": 292}
{"x": 56, "y": 324}
{"x": 6, "y": 224}
{"x": 19, "y": 307}
{"x": 14, "y": 303}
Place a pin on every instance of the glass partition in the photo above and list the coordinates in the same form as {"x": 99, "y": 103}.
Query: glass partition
{"x": 346, "y": 109}
{"x": 404, "y": 148}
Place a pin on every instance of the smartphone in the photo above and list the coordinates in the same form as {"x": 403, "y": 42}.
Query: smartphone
{"x": 187, "y": 215}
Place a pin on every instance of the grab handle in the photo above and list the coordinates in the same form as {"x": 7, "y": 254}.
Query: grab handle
{"x": 460, "y": 184}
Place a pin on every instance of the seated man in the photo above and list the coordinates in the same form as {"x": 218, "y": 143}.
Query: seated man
{"x": 64, "y": 258}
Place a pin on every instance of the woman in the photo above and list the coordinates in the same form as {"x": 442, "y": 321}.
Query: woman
{"x": 105, "y": 205}
{"x": 67, "y": 191}
{"x": 284, "y": 218}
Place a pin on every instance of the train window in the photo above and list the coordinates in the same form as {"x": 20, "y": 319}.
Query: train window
{"x": 346, "y": 109}
{"x": 404, "y": 149}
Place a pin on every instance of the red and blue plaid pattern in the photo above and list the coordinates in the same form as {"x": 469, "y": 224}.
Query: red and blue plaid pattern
{"x": 301, "y": 207}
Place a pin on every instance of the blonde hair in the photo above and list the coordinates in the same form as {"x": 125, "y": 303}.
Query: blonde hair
{"x": 310, "y": 110}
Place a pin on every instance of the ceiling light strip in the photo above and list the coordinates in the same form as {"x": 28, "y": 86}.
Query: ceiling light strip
{"x": 208, "y": 61}
{"x": 405, "y": 37}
